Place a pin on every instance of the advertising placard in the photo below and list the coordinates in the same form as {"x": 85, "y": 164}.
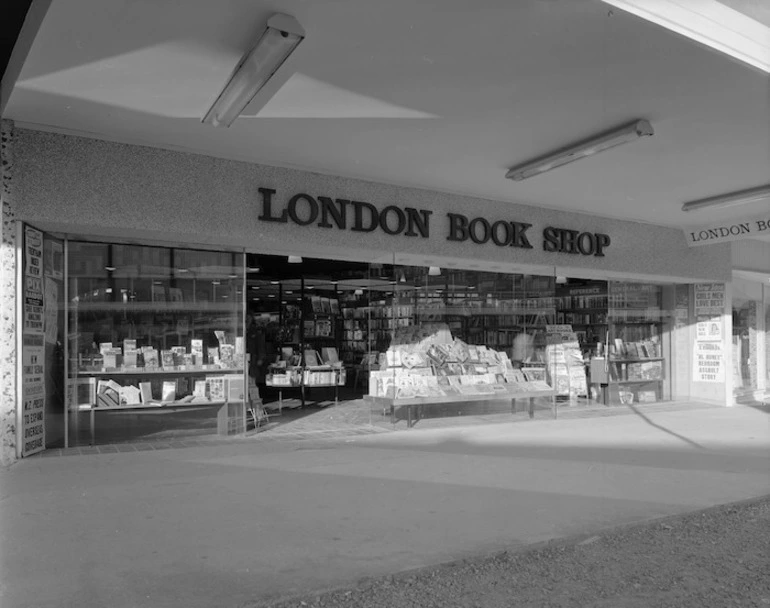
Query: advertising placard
{"x": 33, "y": 395}
{"x": 708, "y": 359}
{"x": 33, "y": 346}
{"x": 33, "y": 281}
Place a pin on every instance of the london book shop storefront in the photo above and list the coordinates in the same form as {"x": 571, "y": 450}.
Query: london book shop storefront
{"x": 206, "y": 297}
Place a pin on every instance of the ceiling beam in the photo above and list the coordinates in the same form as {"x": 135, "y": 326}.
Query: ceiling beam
{"x": 18, "y": 35}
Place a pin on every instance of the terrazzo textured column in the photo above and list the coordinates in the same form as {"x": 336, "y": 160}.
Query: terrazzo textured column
{"x": 7, "y": 301}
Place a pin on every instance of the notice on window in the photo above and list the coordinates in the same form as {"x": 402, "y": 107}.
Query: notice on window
{"x": 709, "y": 299}
{"x": 708, "y": 359}
{"x": 709, "y": 362}
{"x": 33, "y": 395}
{"x": 33, "y": 346}
{"x": 33, "y": 281}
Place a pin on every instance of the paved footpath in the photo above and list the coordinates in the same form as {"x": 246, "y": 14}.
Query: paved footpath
{"x": 236, "y": 523}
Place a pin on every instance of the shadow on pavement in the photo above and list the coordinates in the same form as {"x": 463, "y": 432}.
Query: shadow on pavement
{"x": 665, "y": 430}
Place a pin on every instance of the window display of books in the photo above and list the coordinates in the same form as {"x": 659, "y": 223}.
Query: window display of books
{"x": 133, "y": 375}
{"x": 439, "y": 366}
{"x": 110, "y": 394}
{"x": 132, "y": 358}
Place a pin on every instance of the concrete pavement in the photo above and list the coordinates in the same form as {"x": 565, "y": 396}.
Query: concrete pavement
{"x": 232, "y": 523}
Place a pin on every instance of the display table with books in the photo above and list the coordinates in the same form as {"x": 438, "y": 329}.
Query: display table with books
{"x": 419, "y": 370}
{"x": 314, "y": 373}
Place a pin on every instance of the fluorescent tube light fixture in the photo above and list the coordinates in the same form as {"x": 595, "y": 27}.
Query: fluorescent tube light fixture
{"x": 623, "y": 135}
{"x": 256, "y": 67}
{"x": 708, "y": 22}
{"x": 729, "y": 200}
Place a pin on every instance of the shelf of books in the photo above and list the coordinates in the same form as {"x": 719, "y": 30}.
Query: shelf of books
{"x": 369, "y": 328}
{"x": 134, "y": 376}
{"x": 635, "y": 370}
{"x": 425, "y": 364}
{"x": 313, "y": 369}
{"x": 585, "y": 308}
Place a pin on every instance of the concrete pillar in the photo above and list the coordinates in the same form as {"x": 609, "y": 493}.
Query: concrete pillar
{"x": 8, "y": 287}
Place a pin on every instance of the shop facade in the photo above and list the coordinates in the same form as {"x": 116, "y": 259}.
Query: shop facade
{"x": 161, "y": 282}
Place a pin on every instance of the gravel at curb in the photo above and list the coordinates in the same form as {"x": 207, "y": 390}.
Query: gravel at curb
{"x": 711, "y": 558}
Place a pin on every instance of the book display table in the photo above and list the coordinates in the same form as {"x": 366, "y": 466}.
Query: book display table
{"x": 303, "y": 378}
{"x": 414, "y": 405}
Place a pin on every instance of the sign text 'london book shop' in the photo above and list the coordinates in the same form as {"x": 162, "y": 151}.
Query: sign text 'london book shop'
{"x": 358, "y": 216}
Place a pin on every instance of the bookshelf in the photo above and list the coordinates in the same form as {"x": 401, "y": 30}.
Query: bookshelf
{"x": 634, "y": 368}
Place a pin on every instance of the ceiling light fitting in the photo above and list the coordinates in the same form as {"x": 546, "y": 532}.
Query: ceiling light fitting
{"x": 256, "y": 67}
{"x": 434, "y": 271}
{"x": 708, "y": 22}
{"x": 295, "y": 259}
{"x": 623, "y": 135}
{"x": 728, "y": 200}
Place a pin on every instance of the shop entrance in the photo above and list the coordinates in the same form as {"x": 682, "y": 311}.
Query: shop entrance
{"x": 167, "y": 343}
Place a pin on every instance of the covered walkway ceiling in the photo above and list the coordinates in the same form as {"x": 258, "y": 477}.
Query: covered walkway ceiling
{"x": 437, "y": 94}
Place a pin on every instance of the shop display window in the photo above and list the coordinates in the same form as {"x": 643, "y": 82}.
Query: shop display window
{"x": 156, "y": 332}
{"x": 161, "y": 338}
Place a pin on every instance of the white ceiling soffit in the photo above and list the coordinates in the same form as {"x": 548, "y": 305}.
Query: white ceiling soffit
{"x": 441, "y": 95}
{"x": 708, "y": 22}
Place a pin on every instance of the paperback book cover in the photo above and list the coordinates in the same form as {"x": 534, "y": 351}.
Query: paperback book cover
{"x": 330, "y": 355}
{"x": 145, "y": 390}
{"x": 216, "y": 386}
{"x": 213, "y": 355}
{"x": 473, "y": 354}
{"x": 130, "y": 358}
{"x": 227, "y": 355}
{"x": 200, "y": 388}
{"x": 167, "y": 358}
{"x": 533, "y": 374}
{"x": 110, "y": 360}
{"x": 179, "y": 353}
{"x": 130, "y": 395}
{"x": 169, "y": 391}
{"x": 107, "y": 393}
{"x": 437, "y": 355}
{"x": 150, "y": 358}
{"x": 311, "y": 358}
